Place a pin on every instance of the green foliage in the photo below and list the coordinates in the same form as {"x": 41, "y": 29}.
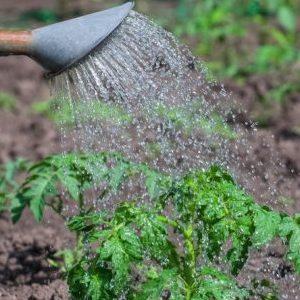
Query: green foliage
{"x": 64, "y": 112}
{"x": 140, "y": 259}
{"x": 189, "y": 118}
{"x": 133, "y": 250}
{"x": 289, "y": 230}
{"x": 155, "y": 249}
{"x": 42, "y": 15}
{"x": 280, "y": 92}
{"x": 74, "y": 174}
{"x": 8, "y": 181}
{"x": 7, "y": 101}
{"x": 242, "y": 38}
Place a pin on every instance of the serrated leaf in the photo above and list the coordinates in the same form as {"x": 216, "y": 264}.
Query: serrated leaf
{"x": 86, "y": 222}
{"x": 37, "y": 206}
{"x": 18, "y": 204}
{"x": 71, "y": 184}
{"x": 95, "y": 289}
{"x": 287, "y": 226}
{"x": 120, "y": 262}
{"x": 152, "y": 184}
{"x": 212, "y": 288}
{"x": 108, "y": 248}
{"x": 133, "y": 246}
{"x": 76, "y": 279}
{"x": 266, "y": 226}
{"x": 294, "y": 249}
{"x": 167, "y": 282}
{"x": 154, "y": 237}
{"x": 115, "y": 251}
{"x": 238, "y": 253}
{"x": 116, "y": 176}
{"x": 39, "y": 188}
{"x": 10, "y": 171}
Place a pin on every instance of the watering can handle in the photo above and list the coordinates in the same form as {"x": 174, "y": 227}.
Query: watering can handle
{"x": 13, "y": 42}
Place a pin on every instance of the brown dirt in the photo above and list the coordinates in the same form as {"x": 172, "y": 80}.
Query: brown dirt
{"x": 25, "y": 247}
{"x": 282, "y": 134}
{"x": 25, "y": 272}
{"x": 22, "y": 132}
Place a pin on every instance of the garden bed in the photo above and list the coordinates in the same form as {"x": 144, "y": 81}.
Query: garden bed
{"x": 26, "y": 247}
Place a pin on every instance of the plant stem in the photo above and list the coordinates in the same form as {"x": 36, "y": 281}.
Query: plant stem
{"x": 81, "y": 203}
{"x": 189, "y": 271}
{"x": 170, "y": 222}
{"x": 188, "y": 295}
{"x": 190, "y": 263}
{"x": 78, "y": 247}
{"x": 79, "y": 236}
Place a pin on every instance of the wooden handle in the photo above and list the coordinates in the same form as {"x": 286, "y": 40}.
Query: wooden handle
{"x": 14, "y": 42}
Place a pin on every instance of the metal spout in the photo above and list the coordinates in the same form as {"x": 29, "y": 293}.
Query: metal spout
{"x": 57, "y": 47}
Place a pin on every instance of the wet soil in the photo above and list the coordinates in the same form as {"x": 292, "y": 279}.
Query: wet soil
{"x": 25, "y": 272}
{"x": 25, "y": 247}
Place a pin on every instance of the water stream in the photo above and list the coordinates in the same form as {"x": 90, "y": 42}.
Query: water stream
{"x": 145, "y": 95}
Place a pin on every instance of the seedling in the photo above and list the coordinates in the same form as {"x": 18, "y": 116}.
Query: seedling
{"x": 7, "y": 101}
{"x": 8, "y": 181}
{"x": 172, "y": 246}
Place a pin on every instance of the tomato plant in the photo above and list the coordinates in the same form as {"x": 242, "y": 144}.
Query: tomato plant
{"x": 175, "y": 245}
{"x": 8, "y": 181}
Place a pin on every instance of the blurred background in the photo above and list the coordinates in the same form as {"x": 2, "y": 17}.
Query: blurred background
{"x": 252, "y": 46}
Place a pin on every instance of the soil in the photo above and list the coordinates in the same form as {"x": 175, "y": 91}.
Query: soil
{"x": 25, "y": 248}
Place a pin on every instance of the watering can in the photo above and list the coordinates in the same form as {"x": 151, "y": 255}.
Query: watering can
{"x": 59, "y": 46}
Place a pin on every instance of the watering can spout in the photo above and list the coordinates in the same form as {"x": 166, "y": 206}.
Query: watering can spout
{"x": 57, "y": 47}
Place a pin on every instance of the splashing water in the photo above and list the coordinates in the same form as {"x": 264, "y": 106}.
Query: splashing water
{"x": 143, "y": 94}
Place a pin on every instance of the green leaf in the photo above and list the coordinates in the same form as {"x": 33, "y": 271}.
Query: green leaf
{"x": 108, "y": 249}
{"x": 287, "y": 18}
{"x": 290, "y": 231}
{"x": 17, "y": 206}
{"x": 95, "y": 289}
{"x": 68, "y": 258}
{"x": 70, "y": 183}
{"x": 167, "y": 282}
{"x": 37, "y": 206}
{"x": 214, "y": 284}
{"x": 121, "y": 263}
{"x": 294, "y": 249}
{"x": 76, "y": 279}
{"x": 238, "y": 253}
{"x": 152, "y": 181}
{"x": 117, "y": 175}
{"x": 116, "y": 252}
{"x": 39, "y": 188}
{"x": 133, "y": 244}
{"x": 154, "y": 237}
{"x": 86, "y": 222}
{"x": 287, "y": 226}
{"x": 266, "y": 226}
